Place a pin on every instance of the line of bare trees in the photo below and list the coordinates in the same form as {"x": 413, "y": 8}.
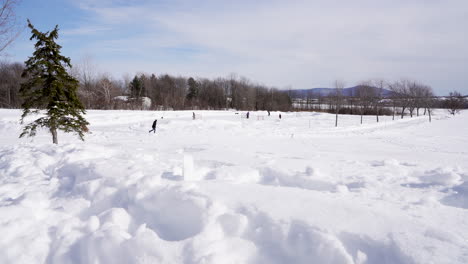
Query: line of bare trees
{"x": 101, "y": 91}
{"x": 374, "y": 97}
{"x": 411, "y": 96}
{"x": 10, "y": 80}
{"x": 377, "y": 97}
{"x": 168, "y": 92}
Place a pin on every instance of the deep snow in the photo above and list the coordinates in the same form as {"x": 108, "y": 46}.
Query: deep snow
{"x": 223, "y": 189}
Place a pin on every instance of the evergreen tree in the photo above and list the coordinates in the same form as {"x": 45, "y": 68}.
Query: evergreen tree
{"x": 193, "y": 89}
{"x": 50, "y": 87}
{"x": 135, "y": 87}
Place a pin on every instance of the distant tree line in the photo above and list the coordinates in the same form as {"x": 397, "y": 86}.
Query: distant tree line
{"x": 406, "y": 97}
{"x": 101, "y": 91}
{"x": 165, "y": 91}
{"x": 168, "y": 92}
{"x": 10, "y": 81}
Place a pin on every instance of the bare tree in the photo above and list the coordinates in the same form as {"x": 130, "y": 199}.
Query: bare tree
{"x": 379, "y": 85}
{"x": 319, "y": 101}
{"x": 85, "y": 72}
{"x": 413, "y": 93}
{"x": 401, "y": 95}
{"x": 337, "y": 98}
{"x": 106, "y": 90}
{"x": 8, "y": 25}
{"x": 180, "y": 92}
{"x": 454, "y": 103}
{"x": 366, "y": 95}
{"x": 428, "y": 100}
{"x": 419, "y": 97}
{"x": 393, "y": 87}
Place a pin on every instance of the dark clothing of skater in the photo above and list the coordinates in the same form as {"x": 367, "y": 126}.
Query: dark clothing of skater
{"x": 154, "y": 126}
{"x": 268, "y": 113}
{"x": 279, "y": 116}
{"x": 193, "y": 115}
{"x": 247, "y": 115}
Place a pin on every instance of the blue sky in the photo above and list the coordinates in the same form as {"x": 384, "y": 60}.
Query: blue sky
{"x": 295, "y": 43}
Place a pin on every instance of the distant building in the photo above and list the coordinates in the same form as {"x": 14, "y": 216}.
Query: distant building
{"x": 126, "y": 102}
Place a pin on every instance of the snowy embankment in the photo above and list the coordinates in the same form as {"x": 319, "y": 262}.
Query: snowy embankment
{"x": 229, "y": 190}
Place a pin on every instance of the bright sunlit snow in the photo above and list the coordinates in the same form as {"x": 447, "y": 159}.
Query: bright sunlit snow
{"x": 225, "y": 189}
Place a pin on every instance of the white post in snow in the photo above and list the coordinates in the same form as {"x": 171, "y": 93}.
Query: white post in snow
{"x": 188, "y": 168}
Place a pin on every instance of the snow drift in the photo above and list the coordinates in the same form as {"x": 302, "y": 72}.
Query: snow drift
{"x": 229, "y": 190}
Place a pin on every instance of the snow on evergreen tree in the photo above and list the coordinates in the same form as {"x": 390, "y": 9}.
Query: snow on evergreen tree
{"x": 50, "y": 87}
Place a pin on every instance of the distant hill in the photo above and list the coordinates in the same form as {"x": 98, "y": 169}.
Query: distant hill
{"x": 350, "y": 91}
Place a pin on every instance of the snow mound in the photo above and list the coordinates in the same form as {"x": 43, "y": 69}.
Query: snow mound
{"x": 310, "y": 179}
{"x": 445, "y": 177}
{"x": 458, "y": 196}
{"x": 250, "y": 236}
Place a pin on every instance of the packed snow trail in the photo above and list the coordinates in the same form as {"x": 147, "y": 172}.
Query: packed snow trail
{"x": 224, "y": 189}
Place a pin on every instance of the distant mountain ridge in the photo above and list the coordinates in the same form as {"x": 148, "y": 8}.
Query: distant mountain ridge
{"x": 350, "y": 91}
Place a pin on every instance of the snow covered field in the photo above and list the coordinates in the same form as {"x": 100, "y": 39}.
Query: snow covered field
{"x": 228, "y": 190}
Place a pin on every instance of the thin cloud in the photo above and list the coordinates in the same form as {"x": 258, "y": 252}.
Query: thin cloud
{"x": 86, "y": 30}
{"x": 299, "y": 43}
